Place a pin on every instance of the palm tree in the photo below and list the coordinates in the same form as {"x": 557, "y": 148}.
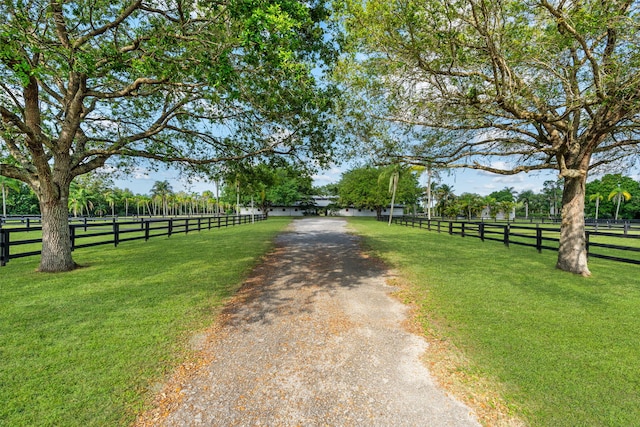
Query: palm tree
{"x": 506, "y": 207}
{"x": 394, "y": 176}
{"x": 431, "y": 186}
{"x": 444, "y": 194}
{"x": 469, "y": 203}
{"x": 597, "y": 197}
{"x": 512, "y": 191}
{"x": 111, "y": 198}
{"x": 6, "y": 184}
{"x": 181, "y": 200}
{"x": 144, "y": 201}
{"x": 526, "y": 198}
{"x": 162, "y": 189}
{"x": 492, "y": 205}
{"x": 126, "y": 195}
{"x": 207, "y": 197}
{"x": 619, "y": 194}
{"x": 79, "y": 200}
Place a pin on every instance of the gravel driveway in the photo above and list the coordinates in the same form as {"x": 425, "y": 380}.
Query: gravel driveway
{"x": 312, "y": 339}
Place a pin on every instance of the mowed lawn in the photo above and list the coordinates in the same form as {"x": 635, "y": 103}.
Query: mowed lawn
{"x": 562, "y": 350}
{"x": 90, "y": 347}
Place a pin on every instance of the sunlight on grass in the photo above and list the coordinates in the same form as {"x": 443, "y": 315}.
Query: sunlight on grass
{"x": 86, "y": 347}
{"x": 563, "y": 348}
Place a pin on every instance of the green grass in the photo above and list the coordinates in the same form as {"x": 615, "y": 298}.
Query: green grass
{"x": 563, "y": 349}
{"x": 88, "y": 347}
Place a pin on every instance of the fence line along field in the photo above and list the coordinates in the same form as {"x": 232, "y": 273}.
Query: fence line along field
{"x": 20, "y": 238}
{"x": 89, "y": 347}
{"x": 616, "y": 242}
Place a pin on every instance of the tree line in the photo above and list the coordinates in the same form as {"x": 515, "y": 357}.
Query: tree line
{"x": 614, "y": 196}
{"x": 504, "y": 86}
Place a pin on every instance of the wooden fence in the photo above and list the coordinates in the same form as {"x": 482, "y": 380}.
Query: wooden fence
{"x": 599, "y": 243}
{"x": 86, "y": 233}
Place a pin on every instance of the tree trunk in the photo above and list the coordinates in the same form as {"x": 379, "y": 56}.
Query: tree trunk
{"x": 572, "y": 253}
{"x": 56, "y": 241}
{"x": 619, "y": 197}
{"x": 429, "y": 193}
{"x": 4, "y": 201}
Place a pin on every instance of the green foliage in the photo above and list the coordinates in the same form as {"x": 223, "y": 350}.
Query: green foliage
{"x": 22, "y": 202}
{"x": 504, "y": 195}
{"x": 503, "y": 86}
{"x": 90, "y": 83}
{"x": 326, "y": 190}
{"x": 368, "y": 188}
{"x": 268, "y": 185}
{"x": 607, "y": 207}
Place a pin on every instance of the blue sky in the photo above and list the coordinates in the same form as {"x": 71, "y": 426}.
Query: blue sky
{"x": 462, "y": 181}
{"x": 467, "y": 180}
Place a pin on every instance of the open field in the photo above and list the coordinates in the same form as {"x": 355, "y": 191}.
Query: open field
{"x": 88, "y": 347}
{"x": 562, "y": 350}
{"x": 615, "y": 243}
{"x": 19, "y": 240}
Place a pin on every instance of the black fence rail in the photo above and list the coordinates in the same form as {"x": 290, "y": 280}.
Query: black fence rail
{"x": 621, "y": 243}
{"x": 19, "y": 242}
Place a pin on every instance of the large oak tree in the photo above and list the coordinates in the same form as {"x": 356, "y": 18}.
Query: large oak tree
{"x": 539, "y": 84}
{"x": 92, "y": 82}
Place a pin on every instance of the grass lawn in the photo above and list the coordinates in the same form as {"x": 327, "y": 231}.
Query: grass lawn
{"x": 562, "y": 350}
{"x": 88, "y": 347}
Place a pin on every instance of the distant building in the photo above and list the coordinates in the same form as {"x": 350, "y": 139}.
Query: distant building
{"x": 322, "y": 206}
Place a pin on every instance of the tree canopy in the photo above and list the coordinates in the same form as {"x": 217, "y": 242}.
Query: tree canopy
{"x": 502, "y": 86}
{"x": 607, "y": 207}
{"x": 87, "y": 82}
{"x": 267, "y": 185}
{"x": 368, "y": 188}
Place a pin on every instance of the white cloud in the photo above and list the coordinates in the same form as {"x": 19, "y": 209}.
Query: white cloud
{"x": 328, "y": 176}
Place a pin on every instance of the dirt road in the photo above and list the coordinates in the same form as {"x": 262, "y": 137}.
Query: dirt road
{"x": 313, "y": 339}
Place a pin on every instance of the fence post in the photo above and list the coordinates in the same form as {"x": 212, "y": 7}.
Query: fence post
{"x": 462, "y": 229}
{"x": 170, "y": 227}
{"x": 116, "y": 233}
{"x": 506, "y": 235}
{"x": 146, "y": 231}
{"x": 481, "y": 230}
{"x": 4, "y": 247}
{"x": 451, "y": 227}
{"x": 72, "y": 235}
{"x": 626, "y": 228}
{"x": 219, "y": 219}
{"x": 199, "y": 223}
{"x": 186, "y": 226}
{"x": 539, "y": 239}
{"x": 586, "y": 241}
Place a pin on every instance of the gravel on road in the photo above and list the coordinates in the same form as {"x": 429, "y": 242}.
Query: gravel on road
{"x": 313, "y": 338}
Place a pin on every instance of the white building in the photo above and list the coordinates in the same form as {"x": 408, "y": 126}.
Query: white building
{"x": 320, "y": 205}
